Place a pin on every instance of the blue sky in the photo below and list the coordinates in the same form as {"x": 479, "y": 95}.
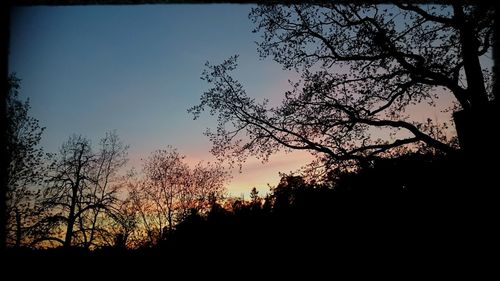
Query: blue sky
{"x": 136, "y": 69}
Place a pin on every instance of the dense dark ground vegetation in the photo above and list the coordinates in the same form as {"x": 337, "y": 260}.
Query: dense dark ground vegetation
{"x": 415, "y": 210}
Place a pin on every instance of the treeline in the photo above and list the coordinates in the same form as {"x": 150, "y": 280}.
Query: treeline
{"x": 78, "y": 201}
{"x": 412, "y": 202}
{"x": 81, "y": 196}
{"x": 82, "y": 199}
{"x": 396, "y": 209}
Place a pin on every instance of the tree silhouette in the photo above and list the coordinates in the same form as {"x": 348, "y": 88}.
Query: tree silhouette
{"x": 25, "y": 165}
{"x": 107, "y": 161}
{"x": 255, "y": 200}
{"x": 171, "y": 191}
{"x": 165, "y": 172}
{"x": 205, "y": 181}
{"x": 124, "y": 224}
{"x": 361, "y": 66}
{"x": 80, "y": 189}
{"x": 67, "y": 184}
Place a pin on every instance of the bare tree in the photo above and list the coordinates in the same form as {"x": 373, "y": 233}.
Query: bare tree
{"x": 67, "y": 183}
{"x": 108, "y": 161}
{"x": 146, "y": 212}
{"x": 80, "y": 188}
{"x": 208, "y": 182}
{"x": 124, "y": 224}
{"x": 362, "y": 66}
{"x": 165, "y": 173}
{"x": 171, "y": 190}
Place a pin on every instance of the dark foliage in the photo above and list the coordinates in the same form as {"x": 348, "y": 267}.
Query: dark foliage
{"x": 362, "y": 67}
{"x": 404, "y": 207}
{"x": 394, "y": 214}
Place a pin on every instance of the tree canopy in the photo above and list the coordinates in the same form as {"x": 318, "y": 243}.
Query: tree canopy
{"x": 361, "y": 67}
{"x": 24, "y": 164}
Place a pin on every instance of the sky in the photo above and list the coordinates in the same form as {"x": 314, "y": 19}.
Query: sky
{"x": 136, "y": 70}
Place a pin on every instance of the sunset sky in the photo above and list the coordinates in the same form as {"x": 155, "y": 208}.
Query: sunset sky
{"x": 370, "y": 91}
{"x": 137, "y": 69}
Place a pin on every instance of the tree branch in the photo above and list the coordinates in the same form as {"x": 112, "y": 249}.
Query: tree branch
{"x": 36, "y": 241}
{"x": 413, "y": 129}
{"x": 424, "y": 14}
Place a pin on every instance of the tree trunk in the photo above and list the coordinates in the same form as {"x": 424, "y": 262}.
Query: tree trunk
{"x": 476, "y": 130}
{"x": 92, "y": 229}
{"x": 74, "y": 198}
{"x": 71, "y": 222}
{"x": 475, "y": 125}
{"x": 71, "y": 217}
{"x": 170, "y": 221}
{"x": 18, "y": 229}
{"x": 477, "y": 95}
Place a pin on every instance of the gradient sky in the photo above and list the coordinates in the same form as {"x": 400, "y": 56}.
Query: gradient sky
{"x": 137, "y": 69}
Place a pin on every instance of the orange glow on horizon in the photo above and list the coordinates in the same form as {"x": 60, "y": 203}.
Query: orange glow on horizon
{"x": 258, "y": 175}
{"x": 254, "y": 173}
